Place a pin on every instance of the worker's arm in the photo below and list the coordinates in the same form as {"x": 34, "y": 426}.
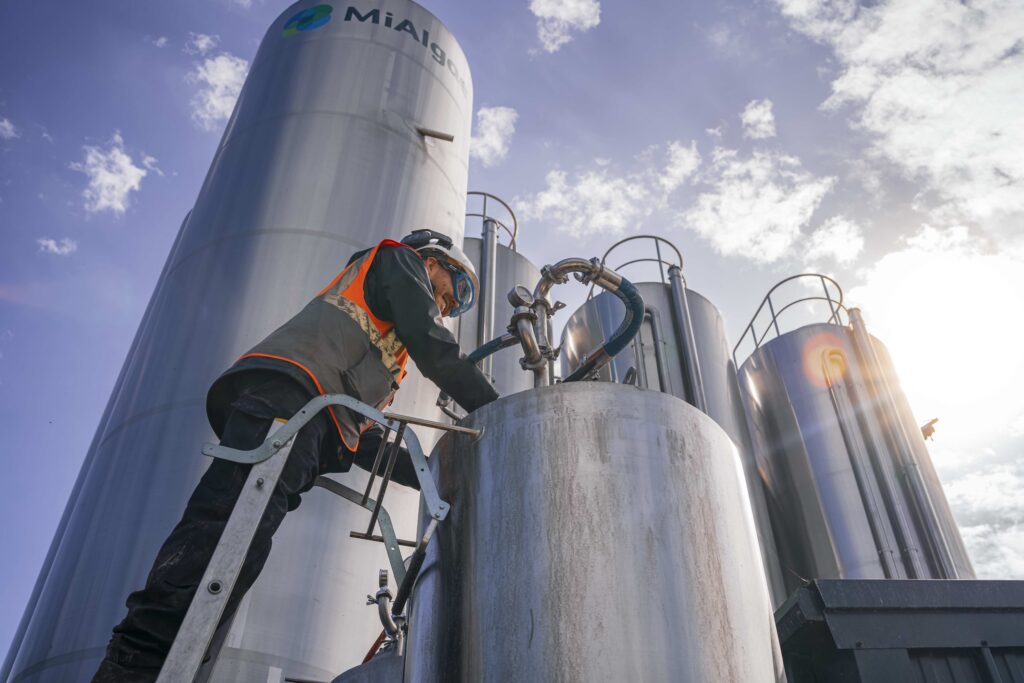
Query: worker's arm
{"x": 401, "y": 291}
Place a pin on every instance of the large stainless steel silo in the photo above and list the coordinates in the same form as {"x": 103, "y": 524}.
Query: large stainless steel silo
{"x": 851, "y": 489}
{"x": 682, "y": 350}
{"x": 598, "y": 532}
{"x": 340, "y": 138}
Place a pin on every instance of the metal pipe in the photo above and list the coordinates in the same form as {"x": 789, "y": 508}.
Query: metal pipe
{"x": 534, "y": 358}
{"x": 893, "y": 426}
{"x": 488, "y": 266}
{"x": 684, "y": 329}
{"x": 664, "y": 379}
{"x": 422, "y": 422}
{"x": 383, "y": 600}
{"x": 863, "y": 473}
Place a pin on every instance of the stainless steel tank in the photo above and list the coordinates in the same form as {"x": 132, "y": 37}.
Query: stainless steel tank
{"x": 332, "y": 147}
{"x": 658, "y": 357}
{"x": 510, "y": 269}
{"x": 598, "y": 532}
{"x": 851, "y": 489}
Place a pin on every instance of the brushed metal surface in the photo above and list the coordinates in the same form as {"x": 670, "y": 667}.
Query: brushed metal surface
{"x": 511, "y": 269}
{"x": 597, "y": 319}
{"x": 598, "y": 532}
{"x": 320, "y": 158}
{"x": 826, "y": 514}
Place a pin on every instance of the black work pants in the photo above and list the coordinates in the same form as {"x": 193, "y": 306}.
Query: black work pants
{"x": 141, "y": 642}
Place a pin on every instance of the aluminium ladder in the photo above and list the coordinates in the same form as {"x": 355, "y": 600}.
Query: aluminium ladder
{"x": 198, "y": 629}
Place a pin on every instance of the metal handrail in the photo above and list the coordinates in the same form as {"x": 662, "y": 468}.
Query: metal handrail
{"x": 662, "y": 263}
{"x": 513, "y": 232}
{"x": 836, "y": 309}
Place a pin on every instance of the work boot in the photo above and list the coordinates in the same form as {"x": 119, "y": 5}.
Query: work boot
{"x": 112, "y": 672}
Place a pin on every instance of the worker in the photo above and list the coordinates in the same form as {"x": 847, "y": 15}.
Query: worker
{"x": 353, "y": 338}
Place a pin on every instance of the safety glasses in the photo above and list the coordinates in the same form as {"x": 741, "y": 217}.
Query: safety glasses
{"x": 465, "y": 294}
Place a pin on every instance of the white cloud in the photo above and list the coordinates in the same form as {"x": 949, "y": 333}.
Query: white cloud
{"x": 758, "y": 120}
{"x": 220, "y": 80}
{"x": 936, "y": 83}
{"x": 945, "y": 308}
{"x": 558, "y": 19}
{"x": 596, "y": 202}
{"x": 7, "y": 129}
{"x": 605, "y": 201}
{"x": 64, "y": 247}
{"x": 150, "y": 163}
{"x": 159, "y": 41}
{"x": 756, "y": 206}
{"x": 494, "y": 129}
{"x": 838, "y": 239}
{"x": 112, "y": 174}
{"x": 200, "y": 43}
{"x": 245, "y": 4}
{"x": 683, "y": 161}
{"x": 986, "y": 504}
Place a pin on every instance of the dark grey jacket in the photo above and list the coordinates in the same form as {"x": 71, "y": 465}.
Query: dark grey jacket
{"x": 325, "y": 341}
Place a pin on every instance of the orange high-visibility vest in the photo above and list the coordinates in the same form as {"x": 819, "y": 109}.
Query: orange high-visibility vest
{"x": 346, "y": 292}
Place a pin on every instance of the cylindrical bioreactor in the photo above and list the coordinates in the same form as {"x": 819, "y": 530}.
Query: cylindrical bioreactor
{"x": 332, "y": 147}
{"x": 682, "y": 350}
{"x": 597, "y": 533}
{"x": 851, "y": 490}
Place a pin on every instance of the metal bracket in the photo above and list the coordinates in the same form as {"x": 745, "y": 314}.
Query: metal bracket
{"x": 387, "y": 529}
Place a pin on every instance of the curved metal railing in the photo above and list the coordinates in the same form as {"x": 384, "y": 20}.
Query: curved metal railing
{"x": 837, "y": 309}
{"x": 513, "y": 232}
{"x": 660, "y": 260}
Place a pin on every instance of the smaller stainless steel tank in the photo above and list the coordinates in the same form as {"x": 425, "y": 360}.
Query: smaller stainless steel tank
{"x": 682, "y": 350}
{"x": 500, "y": 268}
{"x": 851, "y": 489}
{"x": 598, "y": 532}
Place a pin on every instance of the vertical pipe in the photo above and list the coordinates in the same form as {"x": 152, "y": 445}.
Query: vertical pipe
{"x": 867, "y": 484}
{"x": 658, "y": 337}
{"x": 551, "y": 362}
{"x": 488, "y": 264}
{"x": 893, "y": 426}
{"x": 684, "y": 329}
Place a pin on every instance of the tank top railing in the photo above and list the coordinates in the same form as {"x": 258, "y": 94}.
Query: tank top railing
{"x": 663, "y": 265}
{"x": 836, "y": 310}
{"x": 513, "y": 232}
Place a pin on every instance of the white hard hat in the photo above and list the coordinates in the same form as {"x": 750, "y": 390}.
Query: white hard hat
{"x": 440, "y": 246}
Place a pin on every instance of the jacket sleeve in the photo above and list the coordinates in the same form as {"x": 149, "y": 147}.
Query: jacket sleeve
{"x": 403, "y": 284}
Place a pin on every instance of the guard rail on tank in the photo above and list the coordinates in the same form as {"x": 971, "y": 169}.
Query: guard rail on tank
{"x": 834, "y": 300}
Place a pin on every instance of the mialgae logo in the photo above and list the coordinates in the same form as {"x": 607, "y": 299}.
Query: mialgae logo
{"x": 308, "y": 19}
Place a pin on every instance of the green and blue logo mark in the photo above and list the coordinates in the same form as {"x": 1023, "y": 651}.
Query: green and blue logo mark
{"x": 308, "y": 19}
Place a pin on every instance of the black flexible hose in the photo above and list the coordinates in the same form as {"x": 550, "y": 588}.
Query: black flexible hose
{"x": 493, "y": 346}
{"x": 628, "y": 329}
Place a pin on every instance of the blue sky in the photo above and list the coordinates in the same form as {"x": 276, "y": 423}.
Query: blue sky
{"x": 879, "y": 143}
